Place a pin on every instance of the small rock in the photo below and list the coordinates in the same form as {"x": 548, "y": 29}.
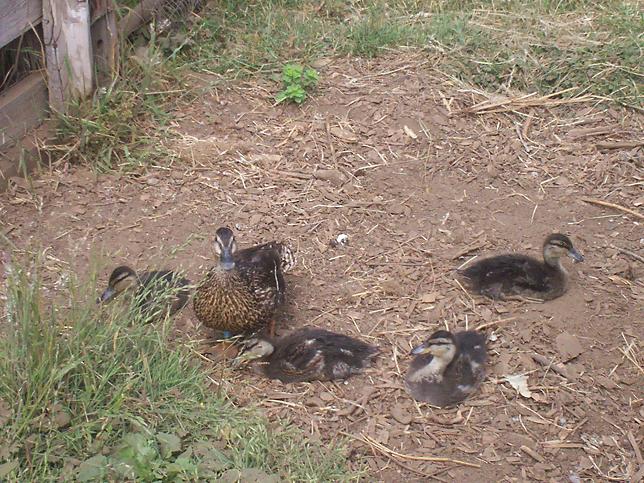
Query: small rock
{"x": 314, "y": 402}
{"x": 568, "y": 346}
{"x": 327, "y": 396}
{"x": 333, "y": 176}
{"x": 344, "y": 135}
{"x": 429, "y": 298}
{"x": 400, "y": 414}
{"x": 605, "y": 382}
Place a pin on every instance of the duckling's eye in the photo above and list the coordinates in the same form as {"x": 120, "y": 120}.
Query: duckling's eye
{"x": 123, "y": 278}
{"x": 440, "y": 342}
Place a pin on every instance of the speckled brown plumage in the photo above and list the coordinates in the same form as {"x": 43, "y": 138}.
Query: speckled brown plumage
{"x": 243, "y": 299}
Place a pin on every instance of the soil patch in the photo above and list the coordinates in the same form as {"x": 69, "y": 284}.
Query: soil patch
{"x": 420, "y": 179}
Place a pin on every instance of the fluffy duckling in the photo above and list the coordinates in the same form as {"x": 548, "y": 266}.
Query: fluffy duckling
{"x": 514, "y": 274}
{"x": 447, "y": 368}
{"x": 154, "y": 292}
{"x": 309, "y": 354}
{"x": 241, "y": 293}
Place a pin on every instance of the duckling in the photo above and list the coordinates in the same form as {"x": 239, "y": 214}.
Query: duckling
{"x": 149, "y": 290}
{"x": 309, "y": 354}
{"x": 242, "y": 292}
{"x": 447, "y": 368}
{"x": 514, "y": 274}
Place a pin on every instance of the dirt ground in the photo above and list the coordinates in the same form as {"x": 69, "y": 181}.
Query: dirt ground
{"x": 421, "y": 177}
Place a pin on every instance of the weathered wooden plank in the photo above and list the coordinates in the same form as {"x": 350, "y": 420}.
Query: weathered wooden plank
{"x": 138, "y": 16}
{"x": 68, "y": 49}
{"x": 105, "y": 47}
{"x": 16, "y": 17}
{"x": 22, "y": 158}
{"x": 98, "y": 8}
{"x": 22, "y": 107}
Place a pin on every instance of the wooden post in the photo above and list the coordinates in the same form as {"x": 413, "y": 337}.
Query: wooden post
{"x": 105, "y": 46}
{"x": 68, "y": 49}
{"x": 139, "y": 15}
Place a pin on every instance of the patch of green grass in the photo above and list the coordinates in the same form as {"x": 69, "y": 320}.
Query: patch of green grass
{"x": 540, "y": 45}
{"x": 121, "y": 125}
{"x": 101, "y": 395}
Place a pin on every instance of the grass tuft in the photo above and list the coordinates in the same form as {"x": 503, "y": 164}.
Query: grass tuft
{"x": 103, "y": 396}
{"x": 121, "y": 127}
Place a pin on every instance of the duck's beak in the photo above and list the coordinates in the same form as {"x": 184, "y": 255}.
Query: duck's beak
{"x": 419, "y": 349}
{"x": 107, "y": 295}
{"x": 575, "y": 255}
{"x": 226, "y": 260}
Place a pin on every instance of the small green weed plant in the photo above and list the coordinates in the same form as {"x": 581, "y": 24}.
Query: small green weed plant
{"x": 298, "y": 80}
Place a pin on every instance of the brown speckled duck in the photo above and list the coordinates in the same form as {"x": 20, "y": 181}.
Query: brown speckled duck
{"x": 447, "y": 368}
{"x": 241, "y": 293}
{"x": 514, "y": 274}
{"x": 309, "y": 354}
{"x": 154, "y": 293}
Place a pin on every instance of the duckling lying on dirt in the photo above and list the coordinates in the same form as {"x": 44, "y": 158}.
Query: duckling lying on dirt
{"x": 508, "y": 275}
{"x": 309, "y": 354}
{"x": 447, "y": 368}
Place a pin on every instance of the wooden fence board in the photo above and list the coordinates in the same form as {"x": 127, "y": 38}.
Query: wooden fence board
{"x": 68, "y": 50}
{"x": 105, "y": 46}
{"x": 22, "y": 107}
{"x": 16, "y": 17}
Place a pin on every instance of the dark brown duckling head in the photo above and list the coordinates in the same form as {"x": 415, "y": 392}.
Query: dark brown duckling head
{"x": 439, "y": 345}
{"x": 557, "y": 246}
{"x": 121, "y": 279}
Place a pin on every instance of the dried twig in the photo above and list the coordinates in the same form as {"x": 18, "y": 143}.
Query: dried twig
{"x": 558, "y": 368}
{"x": 620, "y": 145}
{"x": 391, "y": 453}
{"x": 594, "y": 201}
{"x": 495, "y": 322}
{"x": 628, "y": 252}
{"x": 509, "y": 104}
{"x": 638, "y": 453}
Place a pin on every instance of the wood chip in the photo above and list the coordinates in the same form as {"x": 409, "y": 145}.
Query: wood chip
{"x": 532, "y": 453}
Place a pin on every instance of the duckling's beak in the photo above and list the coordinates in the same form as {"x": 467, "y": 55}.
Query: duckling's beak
{"x": 575, "y": 255}
{"x": 226, "y": 259}
{"x": 420, "y": 349}
{"x": 107, "y": 295}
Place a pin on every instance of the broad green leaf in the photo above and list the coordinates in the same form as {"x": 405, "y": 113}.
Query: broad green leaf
{"x": 168, "y": 444}
{"x": 94, "y": 468}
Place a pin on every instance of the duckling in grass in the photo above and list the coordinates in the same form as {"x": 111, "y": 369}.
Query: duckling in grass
{"x": 309, "y": 354}
{"x": 242, "y": 292}
{"x": 154, "y": 293}
{"x": 447, "y": 368}
{"x": 514, "y": 274}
